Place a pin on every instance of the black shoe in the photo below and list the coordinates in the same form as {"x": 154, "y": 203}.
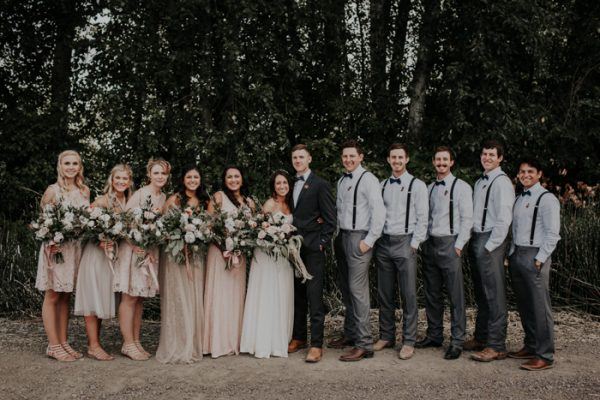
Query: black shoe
{"x": 421, "y": 344}
{"x": 452, "y": 353}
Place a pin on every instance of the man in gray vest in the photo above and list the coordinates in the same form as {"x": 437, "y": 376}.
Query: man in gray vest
{"x": 360, "y": 214}
{"x": 493, "y": 200}
{"x": 450, "y": 223}
{"x": 406, "y": 205}
{"x": 535, "y": 233}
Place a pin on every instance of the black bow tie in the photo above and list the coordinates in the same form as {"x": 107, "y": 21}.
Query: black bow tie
{"x": 484, "y": 176}
{"x": 526, "y": 193}
{"x": 392, "y": 180}
{"x": 348, "y": 175}
{"x": 300, "y": 178}
{"x": 437, "y": 183}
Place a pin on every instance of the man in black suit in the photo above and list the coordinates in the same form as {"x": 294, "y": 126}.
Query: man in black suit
{"x": 315, "y": 217}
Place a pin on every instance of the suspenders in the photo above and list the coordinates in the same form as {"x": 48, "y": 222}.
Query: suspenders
{"x": 487, "y": 199}
{"x": 535, "y": 212}
{"x": 354, "y": 201}
{"x": 451, "y": 209}
{"x": 407, "y": 200}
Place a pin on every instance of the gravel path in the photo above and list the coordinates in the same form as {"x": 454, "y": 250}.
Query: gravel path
{"x": 27, "y": 374}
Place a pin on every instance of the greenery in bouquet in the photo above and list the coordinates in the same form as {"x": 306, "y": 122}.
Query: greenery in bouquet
{"x": 187, "y": 233}
{"x": 102, "y": 225}
{"x": 232, "y": 233}
{"x": 144, "y": 226}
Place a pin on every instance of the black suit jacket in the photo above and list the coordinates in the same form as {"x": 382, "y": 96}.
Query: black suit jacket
{"x": 315, "y": 201}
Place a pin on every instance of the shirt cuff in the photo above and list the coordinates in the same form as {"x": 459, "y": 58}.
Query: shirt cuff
{"x": 459, "y": 244}
{"x": 369, "y": 241}
{"x": 490, "y": 247}
{"x": 541, "y": 257}
{"x": 414, "y": 244}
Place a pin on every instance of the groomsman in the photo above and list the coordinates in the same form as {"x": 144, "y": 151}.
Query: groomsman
{"x": 535, "y": 233}
{"x": 450, "y": 223}
{"x": 492, "y": 214}
{"x": 406, "y": 212}
{"x": 361, "y": 215}
{"x": 315, "y": 219}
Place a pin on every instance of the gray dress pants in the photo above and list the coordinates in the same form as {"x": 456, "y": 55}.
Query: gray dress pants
{"x": 533, "y": 301}
{"x": 397, "y": 261}
{"x": 354, "y": 285}
{"x": 443, "y": 267}
{"x": 488, "y": 273}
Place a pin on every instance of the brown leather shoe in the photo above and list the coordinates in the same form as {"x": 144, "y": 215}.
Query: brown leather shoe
{"x": 383, "y": 344}
{"x": 522, "y": 354}
{"x": 406, "y": 352}
{"x": 473, "y": 345}
{"x": 340, "y": 343}
{"x": 314, "y": 355}
{"x": 296, "y": 345}
{"x": 488, "y": 354}
{"x": 356, "y": 354}
{"x": 537, "y": 364}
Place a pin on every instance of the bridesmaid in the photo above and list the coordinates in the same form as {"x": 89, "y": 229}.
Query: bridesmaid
{"x": 58, "y": 280}
{"x": 269, "y": 311}
{"x": 225, "y": 289}
{"x": 94, "y": 298}
{"x": 181, "y": 298}
{"x": 133, "y": 282}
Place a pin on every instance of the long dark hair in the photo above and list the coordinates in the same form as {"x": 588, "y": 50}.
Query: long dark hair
{"x": 244, "y": 191}
{"x": 201, "y": 192}
{"x": 289, "y": 196}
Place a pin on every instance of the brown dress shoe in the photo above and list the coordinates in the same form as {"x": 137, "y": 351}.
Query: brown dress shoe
{"x": 356, "y": 354}
{"x": 488, "y": 354}
{"x": 406, "y": 352}
{"x": 296, "y": 345}
{"x": 473, "y": 345}
{"x": 382, "y": 344}
{"x": 522, "y": 354}
{"x": 537, "y": 364}
{"x": 314, "y": 355}
{"x": 340, "y": 343}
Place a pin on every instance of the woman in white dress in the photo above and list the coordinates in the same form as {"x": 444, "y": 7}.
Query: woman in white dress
{"x": 269, "y": 310}
{"x": 94, "y": 298}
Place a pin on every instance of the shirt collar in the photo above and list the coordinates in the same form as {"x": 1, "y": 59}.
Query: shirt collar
{"x": 494, "y": 173}
{"x": 405, "y": 176}
{"x": 305, "y": 175}
{"x": 448, "y": 179}
{"x": 535, "y": 189}
{"x": 357, "y": 172}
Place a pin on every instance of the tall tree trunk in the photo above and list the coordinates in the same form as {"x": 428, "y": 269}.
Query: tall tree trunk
{"x": 379, "y": 13}
{"x": 420, "y": 81}
{"x": 397, "y": 66}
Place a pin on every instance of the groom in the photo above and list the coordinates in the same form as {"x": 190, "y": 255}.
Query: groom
{"x": 315, "y": 217}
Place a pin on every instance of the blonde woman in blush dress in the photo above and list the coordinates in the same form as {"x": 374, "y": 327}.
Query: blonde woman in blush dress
{"x": 269, "y": 310}
{"x": 133, "y": 282}
{"x": 182, "y": 296}
{"x": 58, "y": 280}
{"x": 225, "y": 290}
{"x": 94, "y": 298}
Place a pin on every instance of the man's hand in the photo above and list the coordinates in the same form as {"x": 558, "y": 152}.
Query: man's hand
{"x": 458, "y": 252}
{"x": 363, "y": 247}
{"x": 538, "y": 265}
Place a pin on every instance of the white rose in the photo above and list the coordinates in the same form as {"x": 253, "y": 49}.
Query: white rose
{"x": 58, "y": 237}
{"x": 96, "y": 213}
{"x": 105, "y": 217}
{"x": 197, "y": 221}
{"x": 229, "y": 244}
{"x": 48, "y": 222}
{"x": 35, "y": 225}
{"x": 137, "y": 211}
{"x": 42, "y": 232}
{"x": 262, "y": 234}
{"x": 69, "y": 216}
{"x": 158, "y": 233}
{"x": 189, "y": 237}
{"x": 149, "y": 215}
{"x": 117, "y": 228}
{"x": 136, "y": 235}
{"x": 189, "y": 228}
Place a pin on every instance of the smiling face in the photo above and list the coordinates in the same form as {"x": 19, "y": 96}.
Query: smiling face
{"x": 443, "y": 162}
{"x": 397, "y": 159}
{"x": 70, "y": 166}
{"x": 301, "y": 161}
{"x": 281, "y": 186}
{"x": 121, "y": 181}
{"x": 191, "y": 180}
{"x": 158, "y": 176}
{"x": 233, "y": 179}
{"x": 528, "y": 175}
{"x": 351, "y": 159}
{"x": 490, "y": 159}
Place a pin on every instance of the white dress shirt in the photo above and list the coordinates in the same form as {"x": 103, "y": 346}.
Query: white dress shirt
{"x": 298, "y": 186}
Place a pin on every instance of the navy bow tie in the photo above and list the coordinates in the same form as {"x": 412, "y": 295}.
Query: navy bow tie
{"x": 437, "y": 183}
{"x": 484, "y": 176}
{"x": 348, "y": 175}
{"x": 526, "y": 193}
{"x": 300, "y": 178}
{"x": 392, "y": 180}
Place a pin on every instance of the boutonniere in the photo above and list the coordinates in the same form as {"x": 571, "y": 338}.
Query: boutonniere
{"x": 484, "y": 186}
{"x": 527, "y": 205}
{"x": 306, "y": 186}
{"x": 446, "y": 193}
{"x": 402, "y": 189}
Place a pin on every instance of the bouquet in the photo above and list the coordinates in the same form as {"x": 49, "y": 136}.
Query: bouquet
{"x": 275, "y": 236}
{"x": 232, "y": 232}
{"x": 57, "y": 223}
{"x": 102, "y": 225}
{"x": 187, "y": 233}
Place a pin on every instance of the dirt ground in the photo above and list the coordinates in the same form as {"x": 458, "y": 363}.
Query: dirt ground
{"x": 25, "y": 373}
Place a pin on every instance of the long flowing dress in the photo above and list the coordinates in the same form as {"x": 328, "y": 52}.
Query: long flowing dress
{"x": 181, "y": 310}
{"x": 62, "y": 277}
{"x": 224, "y": 294}
{"x": 269, "y": 310}
{"x": 129, "y": 277}
{"x": 94, "y": 294}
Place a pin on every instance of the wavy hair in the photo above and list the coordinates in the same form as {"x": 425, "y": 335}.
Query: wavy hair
{"x": 289, "y": 196}
{"x": 79, "y": 179}
{"x": 201, "y": 192}
{"x": 244, "y": 190}
{"x": 108, "y": 187}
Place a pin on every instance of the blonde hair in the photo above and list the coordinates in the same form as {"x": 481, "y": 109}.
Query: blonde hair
{"x": 79, "y": 179}
{"x": 157, "y": 161}
{"x": 108, "y": 187}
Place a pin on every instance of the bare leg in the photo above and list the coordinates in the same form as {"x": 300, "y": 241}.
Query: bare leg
{"x": 127, "y": 310}
{"x": 50, "y": 316}
{"x": 92, "y": 328}
{"x": 63, "y": 316}
{"x": 137, "y": 326}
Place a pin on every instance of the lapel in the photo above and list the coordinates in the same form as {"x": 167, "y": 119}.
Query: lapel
{"x": 305, "y": 188}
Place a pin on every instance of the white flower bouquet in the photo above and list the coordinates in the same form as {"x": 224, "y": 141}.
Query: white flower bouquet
{"x": 104, "y": 226}
{"x": 187, "y": 233}
{"x": 232, "y": 232}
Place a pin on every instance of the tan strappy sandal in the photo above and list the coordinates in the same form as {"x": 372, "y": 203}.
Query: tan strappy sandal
{"x": 59, "y": 353}
{"x": 131, "y": 350}
{"x": 141, "y": 349}
{"x": 75, "y": 354}
{"x": 99, "y": 354}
